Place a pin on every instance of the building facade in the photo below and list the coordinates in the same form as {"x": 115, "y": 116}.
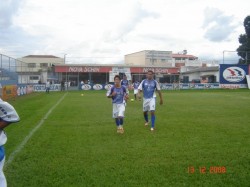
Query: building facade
{"x": 150, "y": 58}
{"x": 37, "y": 68}
{"x": 166, "y": 59}
{"x": 103, "y": 74}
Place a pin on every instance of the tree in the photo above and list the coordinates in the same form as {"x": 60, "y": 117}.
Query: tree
{"x": 244, "y": 39}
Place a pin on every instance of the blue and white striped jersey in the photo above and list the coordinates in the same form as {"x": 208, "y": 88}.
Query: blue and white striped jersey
{"x": 148, "y": 87}
{"x": 121, "y": 92}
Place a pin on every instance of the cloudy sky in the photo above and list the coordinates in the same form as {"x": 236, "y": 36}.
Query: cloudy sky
{"x": 103, "y": 31}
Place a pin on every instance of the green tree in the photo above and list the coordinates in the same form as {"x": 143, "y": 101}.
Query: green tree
{"x": 244, "y": 40}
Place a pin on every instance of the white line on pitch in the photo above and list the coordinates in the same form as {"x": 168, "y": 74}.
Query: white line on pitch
{"x": 20, "y": 147}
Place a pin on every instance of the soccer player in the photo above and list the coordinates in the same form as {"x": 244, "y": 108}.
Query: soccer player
{"x": 135, "y": 86}
{"x": 124, "y": 81}
{"x": 8, "y": 115}
{"x": 148, "y": 87}
{"x": 119, "y": 95}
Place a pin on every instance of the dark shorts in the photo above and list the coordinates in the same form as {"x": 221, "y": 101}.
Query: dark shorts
{"x": 2, "y": 153}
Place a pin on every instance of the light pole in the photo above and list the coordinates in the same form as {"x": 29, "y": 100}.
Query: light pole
{"x": 234, "y": 51}
{"x": 64, "y": 58}
{"x": 224, "y": 54}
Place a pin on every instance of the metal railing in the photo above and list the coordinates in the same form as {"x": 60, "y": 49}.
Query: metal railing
{"x": 13, "y": 71}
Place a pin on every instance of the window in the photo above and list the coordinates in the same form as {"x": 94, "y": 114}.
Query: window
{"x": 31, "y": 65}
{"x": 163, "y": 60}
{"x": 34, "y": 77}
{"x": 43, "y": 65}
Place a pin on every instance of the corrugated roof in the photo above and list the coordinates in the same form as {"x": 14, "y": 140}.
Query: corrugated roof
{"x": 40, "y": 56}
{"x": 183, "y": 56}
{"x": 202, "y": 69}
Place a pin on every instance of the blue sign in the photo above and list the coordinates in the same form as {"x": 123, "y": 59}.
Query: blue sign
{"x": 233, "y": 74}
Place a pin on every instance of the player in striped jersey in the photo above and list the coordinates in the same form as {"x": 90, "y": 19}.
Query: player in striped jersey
{"x": 119, "y": 95}
{"x": 148, "y": 87}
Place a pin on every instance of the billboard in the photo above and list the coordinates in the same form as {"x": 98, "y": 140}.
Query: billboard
{"x": 9, "y": 92}
{"x": 233, "y": 75}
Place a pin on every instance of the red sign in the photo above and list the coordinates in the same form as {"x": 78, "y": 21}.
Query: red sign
{"x": 82, "y": 69}
{"x": 155, "y": 70}
{"x": 107, "y": 69}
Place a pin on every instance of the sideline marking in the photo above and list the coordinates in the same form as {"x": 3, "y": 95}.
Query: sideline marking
{"x": 20, "y": 147}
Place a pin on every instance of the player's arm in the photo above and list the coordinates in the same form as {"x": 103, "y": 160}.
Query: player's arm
{"x": 126, "y": 94}
{"x": 3, "y": 124}
{"x": 160, "y": 95}
{"x": 158, "y": 88}
{"x": 139, "y": 91}
{"x": 110, "y": 93}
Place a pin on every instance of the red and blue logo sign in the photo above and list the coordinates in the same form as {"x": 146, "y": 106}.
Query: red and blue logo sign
{"x": 233, "y": 74}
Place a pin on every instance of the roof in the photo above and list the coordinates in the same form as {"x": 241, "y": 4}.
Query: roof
{"x": 202, "y": 69}
{"x": 183, "y": 56}
{"x": 40, "y": 56}
{"x": 114, "y": 65}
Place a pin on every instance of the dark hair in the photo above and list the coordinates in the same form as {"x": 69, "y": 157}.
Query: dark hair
{"x": 117, "y": 76}
{"x": 150, "y": 71}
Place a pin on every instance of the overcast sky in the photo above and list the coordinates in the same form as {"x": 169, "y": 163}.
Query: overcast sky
{"x": 103, "y": 31}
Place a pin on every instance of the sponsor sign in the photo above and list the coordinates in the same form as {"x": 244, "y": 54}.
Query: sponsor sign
{"x": 197, "y": 86}
{"x": 166, "y": 86}
{"x": 86, "y": 87}
{"x": 233, "y": 74}
{"x": 82, "y": 69}
{"x": 233, "y": 86}
{"x": 97, "y": 87}
{"x": 108, "y": 86}
{"x": 42, "y": 87}
{"x": 212, "y": 85}
{"x": 9, "y": 92}
{"x": 106, "y": 69}
{"x": 184, "y": 86}
{"x": 22, "y": 90}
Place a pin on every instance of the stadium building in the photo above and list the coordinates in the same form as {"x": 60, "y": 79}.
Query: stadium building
{"x": 165, "y": 64}
{"x": 103, "y": 74}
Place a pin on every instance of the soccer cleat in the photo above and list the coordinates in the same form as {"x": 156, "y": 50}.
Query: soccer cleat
{"x": 146, "y": 124}
{"x": 118, "y": 130}
{"x": 152, "y": 129}
{"x": 121, "y": 129}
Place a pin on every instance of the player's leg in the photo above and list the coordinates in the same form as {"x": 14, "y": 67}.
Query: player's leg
{"x": 115, "y": 116}
{"x": 152, "y": 120}
{"x": 135, "y": 94}
{"x": 3, "y": 182}
{"x": 152, "y": 111}
{"x": 121, "y": 111}
{"x": 145, "y": 111}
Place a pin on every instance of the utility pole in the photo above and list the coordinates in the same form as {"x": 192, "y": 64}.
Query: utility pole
{"x": 64, "y": 58}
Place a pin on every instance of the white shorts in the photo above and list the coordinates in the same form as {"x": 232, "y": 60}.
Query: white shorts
{"x": 149, "y": 104}
{"x": 135, "y": 91}
{"x": 118, "y": 110}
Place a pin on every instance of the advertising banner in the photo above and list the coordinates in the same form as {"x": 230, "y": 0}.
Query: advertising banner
{"x": 233, "y": 74}
{"x": 42, "y": 87}
{"x": 9, "y": 92}
{"x": 166, "y": 86}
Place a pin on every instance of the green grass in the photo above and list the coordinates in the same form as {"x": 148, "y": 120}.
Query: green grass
{"x": 77, "y": 145}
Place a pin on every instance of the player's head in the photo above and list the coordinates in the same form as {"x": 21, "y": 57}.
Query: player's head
{"x": 124, "y": 77}
{"x": 150, "y": 74}
{"x": 117, "y": 79}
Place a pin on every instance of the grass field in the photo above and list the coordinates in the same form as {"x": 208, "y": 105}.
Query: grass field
{"x": 202, "y": 138}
